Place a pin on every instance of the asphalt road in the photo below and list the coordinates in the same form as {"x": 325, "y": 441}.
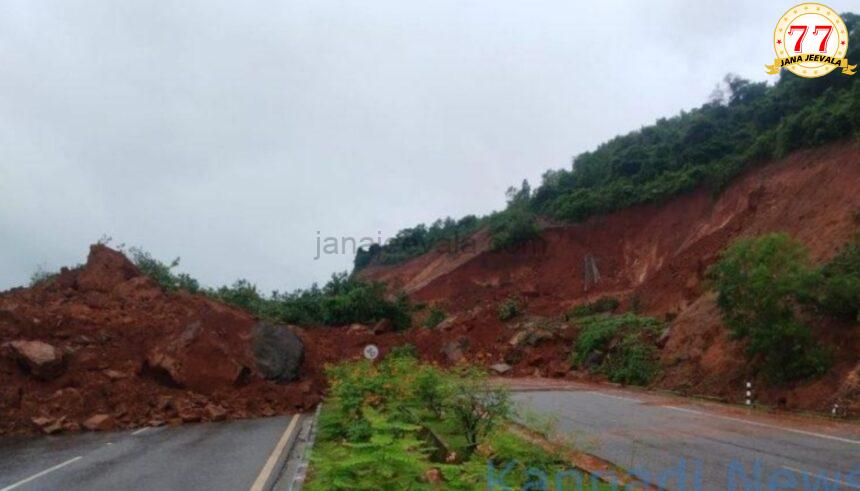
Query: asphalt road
{"x": 213, "y": 456}
{"x": 676, "y": 443}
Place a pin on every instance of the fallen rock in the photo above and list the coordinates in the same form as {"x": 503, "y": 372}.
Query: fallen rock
{"x": 433, "y": 475}
{"x": 188, "y": 413}
{"x": 559, "y": 369}
{"x": 278, "y": 351}
{"x": 514, "y": 355}
{"x": 49, "y": 426}
{"x": 41, "y": 360}
{"x": 186, "y": 360}
{"x": 454, "y": 351}
{"x": 115, "y": 374}
{"x": 664, "y": 337}
{"x": 214, "y": 412}
{"x": 100, "y": 422}
{"x": 164, "y": 402}
{"x": 383, "y": 327}
{"x": 530, "y": 337}
{"x": 501, "y": 368}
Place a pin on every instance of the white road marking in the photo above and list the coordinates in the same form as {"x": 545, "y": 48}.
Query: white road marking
{"x": 630, "y": 399}
{"x": 46, "y": 471}
{"x": 267, "y": 469}
{"x": 765, "y": 425}
{"x": 138, "y": 432}
{"x": 820, "y": 477}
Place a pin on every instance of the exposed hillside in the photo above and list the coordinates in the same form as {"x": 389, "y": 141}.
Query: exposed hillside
{"x": 654, "y": 258}
{"x": 745, "y": 124}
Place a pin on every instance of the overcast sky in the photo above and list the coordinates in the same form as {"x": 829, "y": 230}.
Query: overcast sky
{"x": 230, "y": 133}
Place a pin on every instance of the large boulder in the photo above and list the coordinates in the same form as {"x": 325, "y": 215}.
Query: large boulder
{"x": 278, "y": 351}
{"x": 207, "y": 355}
{"x": 455, "y": 351}
{"x": 41, "y": 360}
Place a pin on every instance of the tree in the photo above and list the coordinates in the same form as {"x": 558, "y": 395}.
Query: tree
{"x": 761, "y": 284}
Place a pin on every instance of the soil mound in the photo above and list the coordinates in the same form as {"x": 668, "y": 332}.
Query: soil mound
{"x": 103, "y": 347}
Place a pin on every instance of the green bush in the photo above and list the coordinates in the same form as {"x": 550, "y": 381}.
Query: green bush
{"x": 512, "y": 227}
{"x": 41, "y": 276}
{"x": 509, "y": 309}
{"x": 435, "y": 318}
{"x": 341, "y": 301}
{"x": 599, "y": 306}
{"x": 622, "y": 345}
{"x": 761, "y": 284}
{"x": 477, "y": 406}
{"x": 393, "y": 458}
{"x": 840, "y": 287}
{"x": 407, "y": 350}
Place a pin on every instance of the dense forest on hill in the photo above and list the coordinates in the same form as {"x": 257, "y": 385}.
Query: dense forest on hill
{"x": 745, "y": 123}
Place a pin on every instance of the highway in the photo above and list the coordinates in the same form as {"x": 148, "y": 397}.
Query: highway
{"x": 671, "y": 442}
{"x": 677, "y": 443}
{"x": 229, "y": 456}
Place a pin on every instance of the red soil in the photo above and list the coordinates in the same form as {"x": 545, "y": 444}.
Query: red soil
{"x": 142, "y": 356}
{"x": 655, "y": 257}
{"x": 133, "y": 353}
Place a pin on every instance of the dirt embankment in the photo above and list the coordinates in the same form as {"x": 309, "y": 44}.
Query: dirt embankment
{"x": 654, "y": 258}
{"x": 103, "y": 347}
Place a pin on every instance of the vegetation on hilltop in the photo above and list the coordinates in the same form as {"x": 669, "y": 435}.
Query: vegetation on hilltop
{"x": 342, "y": 300}
{"x": 744, "y": 123}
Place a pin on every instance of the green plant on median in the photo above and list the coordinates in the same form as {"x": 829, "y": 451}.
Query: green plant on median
{"x": 400, "y": 424}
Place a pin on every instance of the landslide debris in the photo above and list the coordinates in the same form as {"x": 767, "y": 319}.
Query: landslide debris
{"x": 103, "y": 347}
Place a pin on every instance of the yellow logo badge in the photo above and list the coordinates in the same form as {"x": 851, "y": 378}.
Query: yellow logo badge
{"x": 810, "y": 40}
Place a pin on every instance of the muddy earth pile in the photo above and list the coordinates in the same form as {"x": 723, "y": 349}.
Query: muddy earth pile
{"x": 103, "y": 347}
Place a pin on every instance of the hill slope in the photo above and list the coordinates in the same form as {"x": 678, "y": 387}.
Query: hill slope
{"x": 654, "y": 257}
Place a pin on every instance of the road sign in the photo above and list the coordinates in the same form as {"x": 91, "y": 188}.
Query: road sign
{"x": 371, "y": 352}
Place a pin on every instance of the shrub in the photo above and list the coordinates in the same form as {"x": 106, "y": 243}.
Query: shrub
{"x": 342, "y": 300}
{"x": 433, "y": 388}
{"x": 393, "y": 458}
{"x": 840, "y": 288}
{"x": 622, "y": 345}
{"x": 512, "y": 227}
{"x": 435, "y": 318}
{"x": 41, "y": 276}
{"x": 407, "y": 350}
{"x": 477, "y": 406}
{"x": 599, "y": 306}
{"x": 509, "y": 309}
{"x": 761, "y": 283}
